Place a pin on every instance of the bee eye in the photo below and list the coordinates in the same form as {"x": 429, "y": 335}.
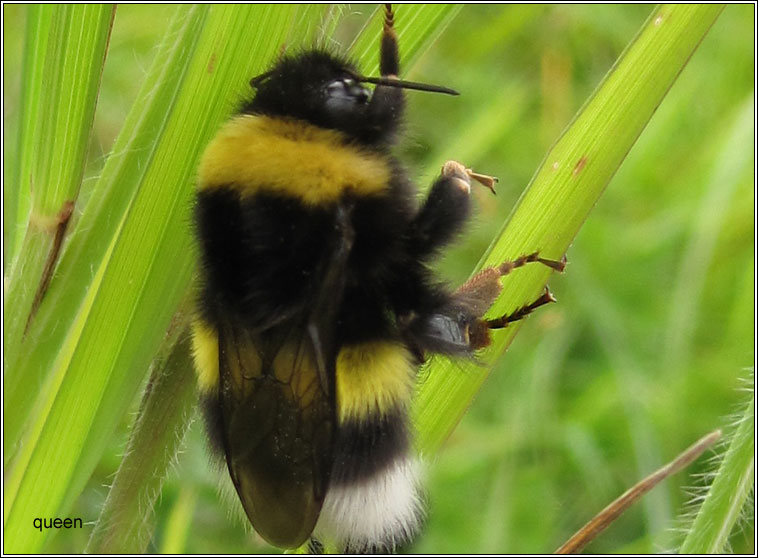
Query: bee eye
{"x": 336, "y": 87}
{"x": 344, "y": 92}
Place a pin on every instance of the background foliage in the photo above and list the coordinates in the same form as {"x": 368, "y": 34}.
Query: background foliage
{"x": 655, "y": 324}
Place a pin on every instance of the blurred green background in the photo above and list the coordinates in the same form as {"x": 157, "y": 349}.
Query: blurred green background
{"x": 650, "y": 343}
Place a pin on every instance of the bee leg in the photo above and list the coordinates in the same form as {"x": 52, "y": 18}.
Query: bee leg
{"x": 479, "y": 292}
{"x": 506, "y": 267}
{"x": 485, "y": 285}
{"x": 484, "y": 179}
{"x": 315, "y": 546}
{"x": 478, "y": 330}
{"x": 388, "y": 103}
{"x": 444, "y": 212}
{"x": 389, "y": 57}
{"x": 503, "y": 321}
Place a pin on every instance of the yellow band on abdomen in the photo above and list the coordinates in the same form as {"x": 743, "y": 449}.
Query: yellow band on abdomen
{"x": 373, "y": 379}
{"x": 205, "y": 353}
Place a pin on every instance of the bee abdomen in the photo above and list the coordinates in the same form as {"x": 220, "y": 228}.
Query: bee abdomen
{"x": 373, "y": 503}
{"x": 365, "y": 448}
{"x": 376, "y": 514}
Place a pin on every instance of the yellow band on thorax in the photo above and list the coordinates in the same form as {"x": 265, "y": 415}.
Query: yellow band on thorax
{"x": 292, "y": 157}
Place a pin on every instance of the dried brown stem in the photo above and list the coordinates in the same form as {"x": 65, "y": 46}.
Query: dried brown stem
{"x": 602, "y": 520}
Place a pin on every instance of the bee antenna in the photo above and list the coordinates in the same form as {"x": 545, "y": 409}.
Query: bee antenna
{"x": 404, "y": 84}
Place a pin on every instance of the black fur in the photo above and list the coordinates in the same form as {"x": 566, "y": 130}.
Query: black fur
{"x": 296, "y": 88}
{"x": 365, "y": 448}
{"x": 258, "y": 254}
{"x": 213, "y": 424}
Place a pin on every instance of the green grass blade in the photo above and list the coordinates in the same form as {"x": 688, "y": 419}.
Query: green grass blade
{"x": 63, "y": 62}
{"x": 565, "y": 188}
{"x": 179, "y": 522}
{"x": 14, "y": 21}
{"x": 125, "y": 525}
{"x": 65, "y": 48}
{"x": 730, "y": 490}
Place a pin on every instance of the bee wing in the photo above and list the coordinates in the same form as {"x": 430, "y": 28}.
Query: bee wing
{"x": 278, "y": 419}
{"x": 277, "y": 398}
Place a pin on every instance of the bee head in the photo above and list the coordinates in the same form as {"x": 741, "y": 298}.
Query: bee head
{"x": 324, "y": 90}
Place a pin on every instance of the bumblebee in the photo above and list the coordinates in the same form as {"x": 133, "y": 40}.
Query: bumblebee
{"x": 317, "y": 304}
